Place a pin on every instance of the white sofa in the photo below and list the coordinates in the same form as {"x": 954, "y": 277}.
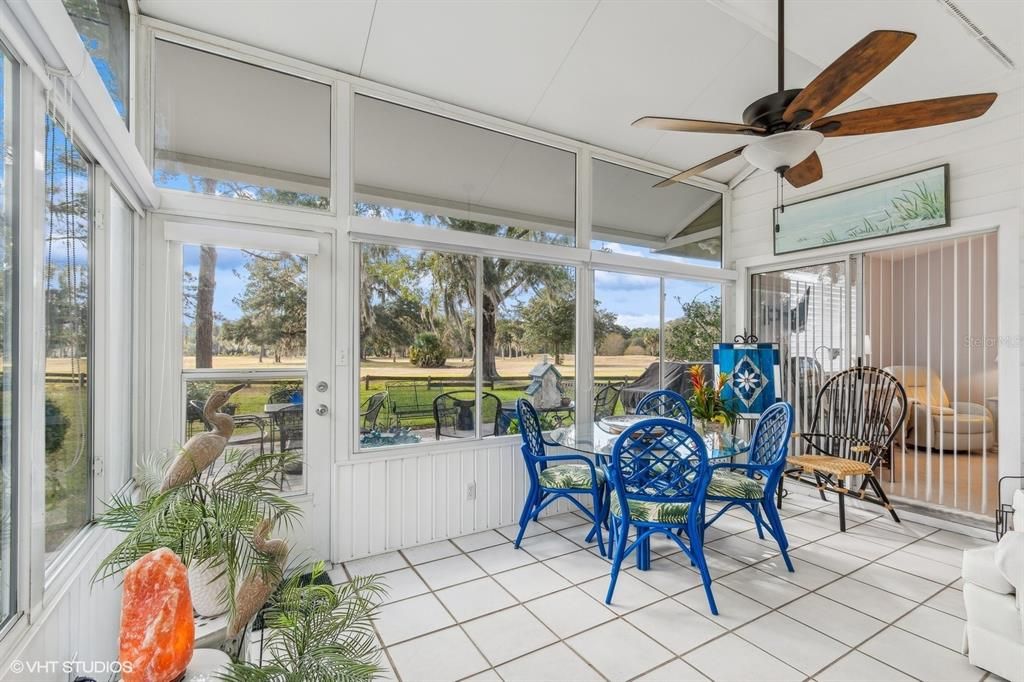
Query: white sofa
{"x": 934, "y": 422}
{"x": 994, "y": 596}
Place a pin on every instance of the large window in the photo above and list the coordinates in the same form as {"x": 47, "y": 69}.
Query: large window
{"x": 230, "y": 129}
{"x": 415, "y": 167}
{"x": 417, "y": 316}
{"x": 680, "y": 222}
{"x": 67, "y": 280}
{"x": 627, "y": 330}
{"x": 243, "y": 308}
{"x": 423, "y": 339}
{"x": 245, "y": 318}
{"x": 529, "y": 350}
{"x": 105, "y": 29}
{"x": 693, "y": 319}
{"x": 7, "y": 414}
{"x": 648, "y": 332}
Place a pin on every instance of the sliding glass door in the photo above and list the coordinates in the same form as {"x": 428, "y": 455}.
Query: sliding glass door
{"x": 925, "y": 313}
{"x": 809, "y": 311}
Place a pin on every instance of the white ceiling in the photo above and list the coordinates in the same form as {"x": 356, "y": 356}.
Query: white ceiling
{"x": 587, "y": 68}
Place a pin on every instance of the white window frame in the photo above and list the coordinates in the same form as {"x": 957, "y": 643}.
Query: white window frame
{"x": 106, "y": 421}
{"x": 99, "y": 133}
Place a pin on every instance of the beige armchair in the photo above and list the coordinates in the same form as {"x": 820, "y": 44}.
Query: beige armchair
{"x": 934, "y": 422}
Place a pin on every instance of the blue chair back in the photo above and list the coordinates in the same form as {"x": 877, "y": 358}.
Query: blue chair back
{"x": 530, "y": 430}
{"x": 770, "y": 442}
{"x": 660, "y": 460}
{"x": 665, "y": 404}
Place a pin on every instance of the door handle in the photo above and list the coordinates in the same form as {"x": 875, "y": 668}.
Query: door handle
{"x": 321, "y": 409}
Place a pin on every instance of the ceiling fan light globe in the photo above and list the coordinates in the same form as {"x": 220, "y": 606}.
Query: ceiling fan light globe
{"x": 782, "y": 150}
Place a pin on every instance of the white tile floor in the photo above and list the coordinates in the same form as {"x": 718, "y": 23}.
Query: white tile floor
{"x": 880, "y": 602}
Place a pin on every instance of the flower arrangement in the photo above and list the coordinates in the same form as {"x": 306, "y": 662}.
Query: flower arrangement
{"x": 706, "y": 401}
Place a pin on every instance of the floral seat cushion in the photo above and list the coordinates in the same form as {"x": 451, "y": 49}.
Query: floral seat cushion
{"x": 565, "y": 476}
{"x": 653, "y": 512}
{"x": 735, "y": 485}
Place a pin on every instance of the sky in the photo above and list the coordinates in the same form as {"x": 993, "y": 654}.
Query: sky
{"x": 229, "y": 284}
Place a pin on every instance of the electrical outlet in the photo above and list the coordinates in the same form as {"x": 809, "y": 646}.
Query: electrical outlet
{"x": 471, "y": 491}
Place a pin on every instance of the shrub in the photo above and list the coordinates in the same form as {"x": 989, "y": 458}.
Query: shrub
{"x": 282, "y": 393}
{"x": 56, "y": 426}
{"x": 198, "y": 390}
{"x": 612, "y": 344}
{"x": 428, "y": 351}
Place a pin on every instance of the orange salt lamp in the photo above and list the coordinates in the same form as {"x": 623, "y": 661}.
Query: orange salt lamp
{"x": 157, "y": 630}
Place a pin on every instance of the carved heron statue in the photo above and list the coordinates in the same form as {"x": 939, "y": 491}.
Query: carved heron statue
{"x": 203, "y": 449}
{"x": 254, "y": 591}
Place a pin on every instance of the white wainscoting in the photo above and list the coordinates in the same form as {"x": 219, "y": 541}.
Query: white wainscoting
{"x": 79, "y": 621}
{"x": 401, "y": 501}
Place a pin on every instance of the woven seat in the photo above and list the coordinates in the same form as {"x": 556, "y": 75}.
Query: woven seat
{"x": 839, "y": 467}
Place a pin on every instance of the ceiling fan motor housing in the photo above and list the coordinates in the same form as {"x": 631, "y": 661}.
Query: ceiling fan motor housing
{"x": 767, "y": 111}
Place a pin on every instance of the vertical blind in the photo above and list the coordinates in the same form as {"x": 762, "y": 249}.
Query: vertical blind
{"x": 930, "y": 313}
{"x": 926, "y": 313}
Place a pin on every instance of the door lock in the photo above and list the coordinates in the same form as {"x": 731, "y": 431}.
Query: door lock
{"x": 321, "y": 409}
{"x": 321, "y": 386}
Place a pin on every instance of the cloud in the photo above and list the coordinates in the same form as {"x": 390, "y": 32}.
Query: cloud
{"x": 633, "y": 321}
{"x": 617, "y": 281}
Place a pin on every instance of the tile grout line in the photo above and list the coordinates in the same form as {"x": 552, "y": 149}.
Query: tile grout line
{"x": 623, "y": 616}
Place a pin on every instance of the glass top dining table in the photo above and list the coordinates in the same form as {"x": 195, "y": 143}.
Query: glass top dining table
{"x": 600, "y": 442}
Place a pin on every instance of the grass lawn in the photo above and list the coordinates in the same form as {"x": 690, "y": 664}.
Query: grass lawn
{"x": 68, "y": 466}
{"x": 382, "y": 371}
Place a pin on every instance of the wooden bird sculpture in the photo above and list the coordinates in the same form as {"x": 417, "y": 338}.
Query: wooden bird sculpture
{"x": 203, "y": 449}
{"x": 254, "y": 591}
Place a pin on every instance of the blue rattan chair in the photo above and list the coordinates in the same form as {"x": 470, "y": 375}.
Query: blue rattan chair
{"x": 659, "y": 474}
{"x": 665, "y": 404}
{"x": 753, "y": 485}
{"x": 556, "y": 476}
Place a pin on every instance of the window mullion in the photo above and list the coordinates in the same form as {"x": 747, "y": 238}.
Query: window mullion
{"x": 478, "y": 362}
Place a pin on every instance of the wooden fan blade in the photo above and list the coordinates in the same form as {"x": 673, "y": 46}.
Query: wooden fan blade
{"x": 848, "y": 74}
{"x": 805, "y": 172}
{"x": 906, "y": 116}
{"x": 692, "y": 125}
{"x": 700, "y": 168}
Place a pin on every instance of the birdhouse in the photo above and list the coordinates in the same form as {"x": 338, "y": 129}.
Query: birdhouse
{"x": 543, "y": 389}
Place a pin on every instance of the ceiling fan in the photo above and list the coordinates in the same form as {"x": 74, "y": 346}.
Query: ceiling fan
{"x": 790, "y": 124}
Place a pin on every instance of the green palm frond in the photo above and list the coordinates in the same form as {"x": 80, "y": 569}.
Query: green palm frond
{"x": 318, "y": 633}
{"x": 209, "y": 518}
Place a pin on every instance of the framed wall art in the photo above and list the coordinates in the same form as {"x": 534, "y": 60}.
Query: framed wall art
{"x": 908, "y": 203}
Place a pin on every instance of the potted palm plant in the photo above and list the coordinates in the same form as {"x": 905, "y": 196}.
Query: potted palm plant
{"x": 317, "y": 632}
{"x": 208, "y": 521}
